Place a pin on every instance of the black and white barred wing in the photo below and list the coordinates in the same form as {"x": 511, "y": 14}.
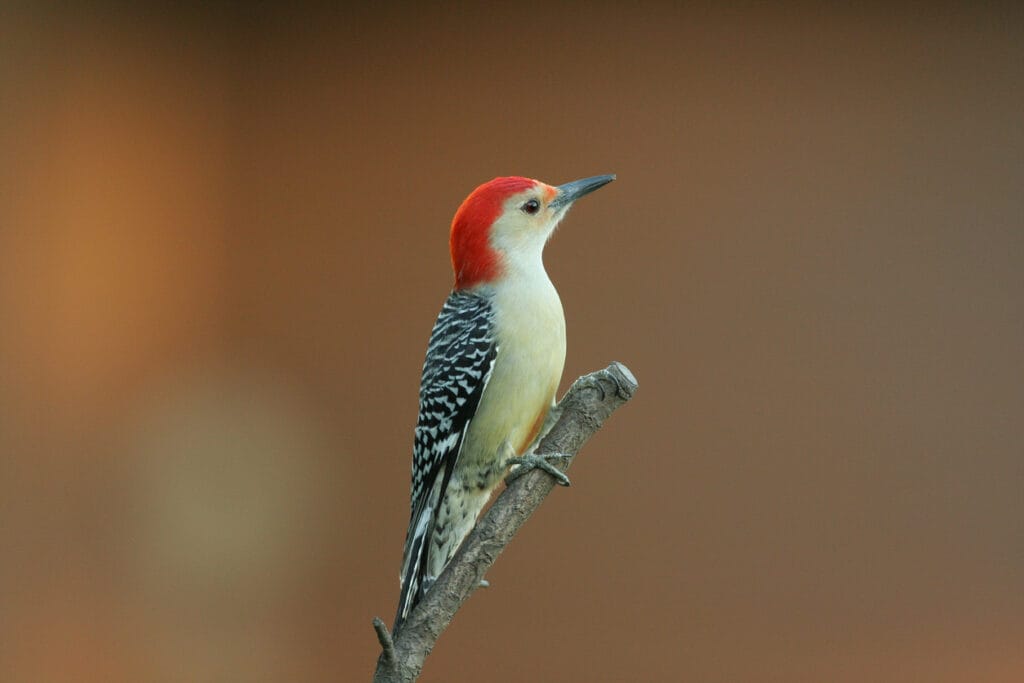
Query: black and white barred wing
{"x": 460, "y": 357}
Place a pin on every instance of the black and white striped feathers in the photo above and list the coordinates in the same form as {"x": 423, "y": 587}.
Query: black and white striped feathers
{"x": 460, "y": 358}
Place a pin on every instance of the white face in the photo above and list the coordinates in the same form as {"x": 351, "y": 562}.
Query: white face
{"x": 525, "y": 225}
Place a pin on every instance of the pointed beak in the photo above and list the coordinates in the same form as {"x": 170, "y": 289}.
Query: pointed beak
{"x": 570, "y": 192}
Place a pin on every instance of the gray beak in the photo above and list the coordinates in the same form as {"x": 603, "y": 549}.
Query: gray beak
{"x": 570, "y": 192}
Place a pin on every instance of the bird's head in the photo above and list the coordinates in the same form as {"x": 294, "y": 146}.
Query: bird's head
{"x": 504, "y": 224}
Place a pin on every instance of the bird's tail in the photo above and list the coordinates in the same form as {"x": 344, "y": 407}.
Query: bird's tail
{"x": 414, "y": 559}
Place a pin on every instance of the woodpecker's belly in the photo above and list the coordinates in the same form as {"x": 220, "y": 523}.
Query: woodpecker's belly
{"x": 530, "y": 329}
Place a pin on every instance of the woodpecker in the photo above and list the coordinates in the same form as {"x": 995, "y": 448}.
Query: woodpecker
{"x": 493, "y": 364}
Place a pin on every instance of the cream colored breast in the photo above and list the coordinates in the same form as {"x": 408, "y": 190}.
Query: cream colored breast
{"x": 530, "y": 328}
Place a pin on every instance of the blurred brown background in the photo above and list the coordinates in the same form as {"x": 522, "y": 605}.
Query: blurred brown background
{"x": 223, "y": 241}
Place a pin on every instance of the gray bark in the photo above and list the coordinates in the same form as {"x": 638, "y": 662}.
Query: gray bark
{"x": 581, "y": 412}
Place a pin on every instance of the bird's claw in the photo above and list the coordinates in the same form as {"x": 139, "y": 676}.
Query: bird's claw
{"x": 525, "y": 463}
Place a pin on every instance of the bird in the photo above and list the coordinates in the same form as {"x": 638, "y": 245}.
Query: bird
{"x": 493, "y": 364}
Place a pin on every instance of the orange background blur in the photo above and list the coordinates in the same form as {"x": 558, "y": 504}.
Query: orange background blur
{"x": 223, "y": 242}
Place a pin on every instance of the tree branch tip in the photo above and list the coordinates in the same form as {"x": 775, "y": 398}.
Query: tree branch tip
{"x": 626, "y": 380}
{"x": 387, "y": 644}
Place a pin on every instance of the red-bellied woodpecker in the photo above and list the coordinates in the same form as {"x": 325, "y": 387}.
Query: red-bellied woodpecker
{"x": 493, "y": 365}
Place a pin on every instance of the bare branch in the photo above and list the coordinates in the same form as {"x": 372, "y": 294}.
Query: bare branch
{"x": 581, "y": 412}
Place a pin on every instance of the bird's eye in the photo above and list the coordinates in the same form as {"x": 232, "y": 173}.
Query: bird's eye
{"x": 531, "y": 207}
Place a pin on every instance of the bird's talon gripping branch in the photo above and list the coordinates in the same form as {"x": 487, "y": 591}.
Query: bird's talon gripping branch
{"x": 493, "y": 364}
{"x": 525, "y": 463}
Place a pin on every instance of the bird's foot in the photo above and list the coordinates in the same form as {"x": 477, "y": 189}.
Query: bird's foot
{"x": 525, "y": 463}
